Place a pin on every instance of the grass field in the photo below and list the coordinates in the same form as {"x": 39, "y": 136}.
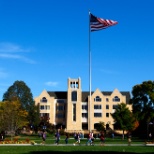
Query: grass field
{"x": 75, "y": 149}
{"x": 115, "y": 146}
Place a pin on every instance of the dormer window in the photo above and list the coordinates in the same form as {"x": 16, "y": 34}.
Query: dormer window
{"x": 97, "y": 99}
{"x": 116, "y": 99}
{"x": 44, "y": 100}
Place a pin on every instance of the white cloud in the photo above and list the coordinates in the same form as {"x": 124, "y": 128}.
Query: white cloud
{"x": 10, "y": 47}
{"x": 9, "y": 50}
{"x": 51, "y": 84}
{"x": 15, "y": 56}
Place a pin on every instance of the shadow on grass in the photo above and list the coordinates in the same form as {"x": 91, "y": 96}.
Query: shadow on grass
{"x": 90, "y": 152}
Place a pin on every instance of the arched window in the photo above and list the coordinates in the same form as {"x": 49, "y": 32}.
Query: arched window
{"x": 97, "y": 99}
{"x": 116, "y": 99}
{"x": 44, "y": 100}
{"x": 74, "y": 96}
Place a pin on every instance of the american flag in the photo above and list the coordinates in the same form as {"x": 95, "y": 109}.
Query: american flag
{"x": 99, "y": 23}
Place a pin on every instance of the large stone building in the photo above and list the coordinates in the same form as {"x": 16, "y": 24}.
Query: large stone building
{"x": 75, "y": 111}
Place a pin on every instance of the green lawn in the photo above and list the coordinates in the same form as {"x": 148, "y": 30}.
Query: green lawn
{"x": 75, "y": 149}
{"x": 50, "y": 139}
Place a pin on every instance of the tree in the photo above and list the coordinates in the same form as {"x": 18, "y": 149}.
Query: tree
{"x": 143, "y": 100}
{"x": 100, "y": 126}
{"x": 20, "y": 91}
{"x": 35, "y": 118}
{"x": 143, "y": 103}
{"x": 12, "y": 116}
{"x": 123, "y": 118}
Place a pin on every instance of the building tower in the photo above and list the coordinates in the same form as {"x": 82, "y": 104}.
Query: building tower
{"x": 74, "y": 101}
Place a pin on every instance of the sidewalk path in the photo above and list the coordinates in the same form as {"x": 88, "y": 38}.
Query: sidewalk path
{"x": 71, "y": 145}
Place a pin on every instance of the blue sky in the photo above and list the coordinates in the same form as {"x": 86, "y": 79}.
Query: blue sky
{"x": 44, "y": 42}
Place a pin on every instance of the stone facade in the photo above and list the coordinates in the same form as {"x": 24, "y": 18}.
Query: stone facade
{"x": 75, "y": 111}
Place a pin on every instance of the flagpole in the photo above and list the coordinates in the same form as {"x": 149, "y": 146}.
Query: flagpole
{"x": 96, "y": 24}
{"x": 89, "y": 78}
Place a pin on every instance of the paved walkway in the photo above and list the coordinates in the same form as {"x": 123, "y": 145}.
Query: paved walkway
{"x": 73, "y": 145}
{"x": 93, "y": 145}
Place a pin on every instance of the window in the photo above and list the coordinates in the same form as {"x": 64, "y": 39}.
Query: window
{"x": 74, "y": 84}
{"x": 97, "y": 114}
{"x": 97, "y": 99}
{"x": 84, "y": 107}
{"x": 60, "y": 108}
{"x": 43, "y": 100}
{"x": 74, "y": 96}
{"x": 84, "y": 115}
{"x": 60, "y": 101}
{"x": 116, "y": 99}
{"x": 107, "y": 106}
{"x": 47, "y": 107}
{"x": 107, "y": 114}
{"x": 42, "y": 107}
{"x": 45, "y": 115}
{"x": 74, "y": 112}
{"x": 115, "y": 106}
{"x": 107, "y": 99}
{"x": 60, "y": 115}
{"x": 97, "y": 107}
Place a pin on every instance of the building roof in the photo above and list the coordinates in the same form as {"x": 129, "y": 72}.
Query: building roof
{"x": 85, "y": 94}
{"x": 58, "y": 94}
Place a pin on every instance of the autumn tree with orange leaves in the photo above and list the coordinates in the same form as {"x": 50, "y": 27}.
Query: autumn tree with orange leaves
{"x": 12, "y": 116}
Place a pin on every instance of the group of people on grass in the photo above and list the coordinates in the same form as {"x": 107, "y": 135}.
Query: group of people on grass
{"x": 90, "y": 139}
{"x": 78, "y": 136}
{"x": 57, "y": 137}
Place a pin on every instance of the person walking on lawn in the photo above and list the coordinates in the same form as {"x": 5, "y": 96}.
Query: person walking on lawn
{"x": 43, "y": 137}
{"x": 77, "y": 139}
{"x": 89, "y": 139}
{"x": 102, "y": 138}
{"x": 57, "y": 137}
{"x": 66, "y": 139}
